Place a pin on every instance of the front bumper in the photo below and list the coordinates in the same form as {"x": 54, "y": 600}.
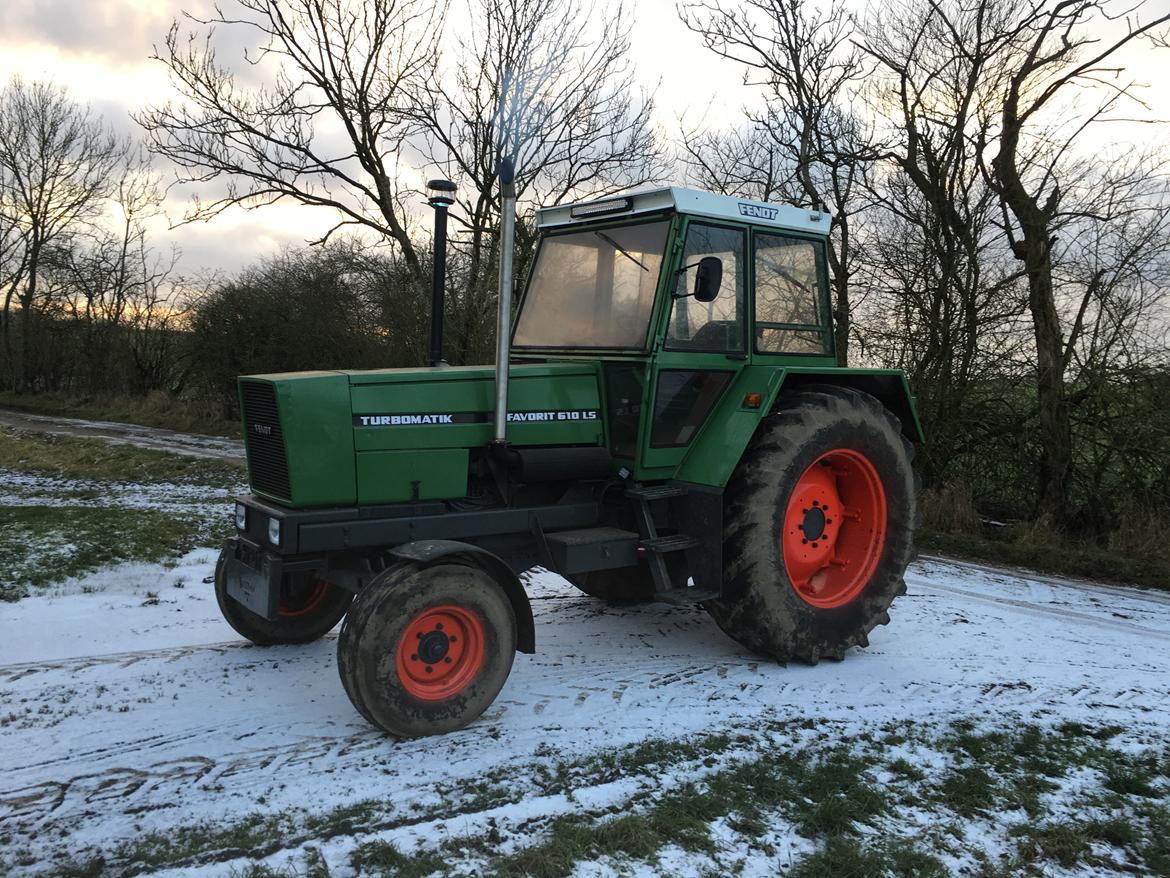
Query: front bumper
{"x": 253, "y": 575}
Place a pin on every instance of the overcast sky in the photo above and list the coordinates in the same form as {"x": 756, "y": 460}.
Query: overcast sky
{"x": 99, "y": 50}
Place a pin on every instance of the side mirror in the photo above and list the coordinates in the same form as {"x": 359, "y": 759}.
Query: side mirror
{"x": 708, "y": 279}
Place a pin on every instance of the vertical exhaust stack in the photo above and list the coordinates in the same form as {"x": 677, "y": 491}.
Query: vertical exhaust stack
{"x": 504, "y": 318}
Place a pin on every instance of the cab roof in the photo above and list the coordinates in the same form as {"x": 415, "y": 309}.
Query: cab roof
{"x": 689, "y": 201}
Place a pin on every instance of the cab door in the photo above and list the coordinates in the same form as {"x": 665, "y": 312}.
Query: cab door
{"x": 699, "y": 347}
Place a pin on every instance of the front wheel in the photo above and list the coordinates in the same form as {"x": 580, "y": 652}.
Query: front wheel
{"x": 309, "y": 609}
{"x": 819, "y": 521}
{"x": 426, "y": 649}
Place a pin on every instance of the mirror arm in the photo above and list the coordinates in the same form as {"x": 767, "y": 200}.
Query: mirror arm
{"x": 681, "y": 270}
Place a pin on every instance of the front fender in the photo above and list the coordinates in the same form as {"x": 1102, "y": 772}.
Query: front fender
{"x": 427, "y": 551}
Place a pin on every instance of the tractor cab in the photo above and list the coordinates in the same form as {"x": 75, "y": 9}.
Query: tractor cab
{"x": 688, "y": 300}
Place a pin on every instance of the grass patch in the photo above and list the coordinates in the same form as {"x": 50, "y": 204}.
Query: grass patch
{"x": 384, "y": 860}
{"x": 68, "y": 457}
{"x": 1062, "y": 843}
{"x": 154, "y": 410}
{"x": 823, "y": 793}
{"x": 241, "y": 837}
{"x": 40, "y": 545}
{"x": 847, "y": 857}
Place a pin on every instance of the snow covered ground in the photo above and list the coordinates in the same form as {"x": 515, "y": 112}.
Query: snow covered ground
{"x": 128, "y": 707}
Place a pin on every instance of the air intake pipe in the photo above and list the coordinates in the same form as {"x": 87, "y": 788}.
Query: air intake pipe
{"x": 504, "y": 318}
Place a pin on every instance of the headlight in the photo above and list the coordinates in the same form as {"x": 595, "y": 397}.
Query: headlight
{"x": 274, "y": 531}
{"x": 241, "y": 517}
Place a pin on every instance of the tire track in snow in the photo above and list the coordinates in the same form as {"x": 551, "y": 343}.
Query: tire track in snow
{"x": 129, "y": 788}
{"x": 1095, "y": 620}
{"x": 15, "y": 672}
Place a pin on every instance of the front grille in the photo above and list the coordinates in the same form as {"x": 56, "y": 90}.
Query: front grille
{"x": 267, "y": 463}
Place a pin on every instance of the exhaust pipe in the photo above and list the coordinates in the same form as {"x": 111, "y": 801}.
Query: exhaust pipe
{"x": 504, "y": 318}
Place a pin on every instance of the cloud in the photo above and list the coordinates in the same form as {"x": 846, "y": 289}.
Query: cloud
{"x": 117, "y": 31}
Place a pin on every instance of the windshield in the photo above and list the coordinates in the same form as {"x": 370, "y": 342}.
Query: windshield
{"x": 593, "y": 289}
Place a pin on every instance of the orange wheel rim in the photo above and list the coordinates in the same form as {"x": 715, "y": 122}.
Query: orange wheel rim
{"x": 834, "y": 528}
{"x": 296, "y": 600}
{"x": 440, "y": 652}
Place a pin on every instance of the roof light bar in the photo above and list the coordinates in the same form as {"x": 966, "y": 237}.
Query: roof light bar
{"x": 601, "y": 208}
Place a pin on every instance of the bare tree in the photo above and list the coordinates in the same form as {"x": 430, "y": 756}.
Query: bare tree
{"x": 1051, "y": 49}
{"x": 547, "y": 84}
{"x": 810, "y": 71}
{"x": 744, "y": 162}
{"x": 120, "y": 291}
{"x": 57, "y": 160}
{"x": 327, "y": 126}
{"x": 946, "y": 291}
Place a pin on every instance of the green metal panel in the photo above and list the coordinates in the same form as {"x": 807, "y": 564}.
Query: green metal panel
{"x": 399, "y": 476}
{"x": 715, "y": 452}
{"x": 318, "y": 440}
{"x": 548, "y": 394}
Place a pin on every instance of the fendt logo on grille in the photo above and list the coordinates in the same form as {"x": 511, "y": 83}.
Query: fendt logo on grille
{"x": 756, "y": 211}
{"x": 262, "y": 429}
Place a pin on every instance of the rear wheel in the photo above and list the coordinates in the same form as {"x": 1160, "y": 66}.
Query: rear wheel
{"x": 819, "y": 521}
{"x": 426, "y": 649}
{"x": 309, "y": 608}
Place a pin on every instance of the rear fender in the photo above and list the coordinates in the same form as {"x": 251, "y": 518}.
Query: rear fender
{"x": 887, "y": 386}
{"x": 716, "y": 451}
{"x": 427, "y": 551}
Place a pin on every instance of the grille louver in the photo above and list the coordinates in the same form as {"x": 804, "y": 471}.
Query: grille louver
{"x": 267, "y": 463}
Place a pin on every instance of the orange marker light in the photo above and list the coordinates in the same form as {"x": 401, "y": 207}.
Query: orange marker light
{"x": 752, "y": 401}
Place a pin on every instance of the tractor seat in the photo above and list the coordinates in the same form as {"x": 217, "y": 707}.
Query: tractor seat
{"x": 716, "y": 335}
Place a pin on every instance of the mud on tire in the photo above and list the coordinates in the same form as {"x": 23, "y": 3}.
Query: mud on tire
{"x": 761, "y": 607}
{"x": 414, "y": 616}
{"x": 309, "y": 609}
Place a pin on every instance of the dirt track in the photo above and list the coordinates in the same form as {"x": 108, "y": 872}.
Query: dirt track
{"x": 187, "y": 444}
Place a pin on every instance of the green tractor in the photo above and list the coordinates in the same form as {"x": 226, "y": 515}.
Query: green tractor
{"x": 664, "y": 422}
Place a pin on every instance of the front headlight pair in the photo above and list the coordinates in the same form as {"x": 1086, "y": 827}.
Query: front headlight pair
{"x": 242, "y": 524}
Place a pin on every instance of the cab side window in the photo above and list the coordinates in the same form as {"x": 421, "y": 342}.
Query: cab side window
{"x": 790, "y": 313}
{"x": 717, "y": 325}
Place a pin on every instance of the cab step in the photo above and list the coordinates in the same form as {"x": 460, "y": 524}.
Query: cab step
{"x": 671, "y": 543}
{"x": 650, "y": 493}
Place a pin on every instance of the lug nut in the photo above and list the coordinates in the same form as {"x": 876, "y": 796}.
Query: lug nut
{"x": 447, "y": 659}
{"x": 414, "y": 658}
{"x": 429, "y": 669}
{"x": 438, "y": 626}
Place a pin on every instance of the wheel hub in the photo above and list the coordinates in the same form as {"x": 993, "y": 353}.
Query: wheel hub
{"x": 440, "y": 652}
{"x": 813, "y": 525}
{"x": 432, "y": 647}
{"x": 834, "y": 528}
